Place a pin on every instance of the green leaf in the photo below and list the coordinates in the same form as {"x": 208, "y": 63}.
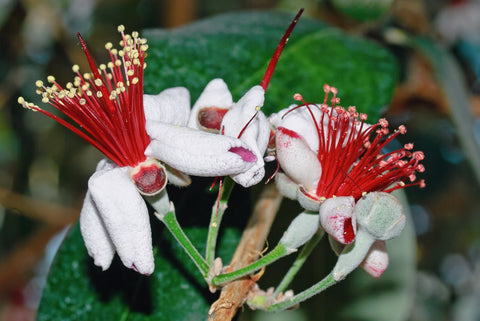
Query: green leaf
{"x": 78, "y": 290}
{"x": 237, "y": 47}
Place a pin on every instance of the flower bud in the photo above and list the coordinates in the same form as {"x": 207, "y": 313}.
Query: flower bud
{"x": 337, "y": 218}
{"x": 381, "y": 215}
{"x": 300, "y": 230}
{"x": 376, "y": 261}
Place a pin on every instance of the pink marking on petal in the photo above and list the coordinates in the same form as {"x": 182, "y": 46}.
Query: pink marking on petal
{"x": 211, "y": 117}
{"x": 348, "y": 232}
{"x": 246, "y": 154}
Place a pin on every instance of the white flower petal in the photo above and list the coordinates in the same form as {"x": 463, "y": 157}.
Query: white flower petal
{"x": 196, "y": 152}
{"x": 337, "y": 218}
{"x": 215, "y": 94}
{"x": 297, "y": 160}
{"x": 171, "y": 106}
{"x": 286, "y": 186}
{"x": 256, "y": 135}
{"x": 125, "y": 217}
{"x": 98, "y": 243}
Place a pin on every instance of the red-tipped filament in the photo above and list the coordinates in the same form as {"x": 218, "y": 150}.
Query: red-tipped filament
{"x": 105, "y": 106}
{"x": 350, "y": 152}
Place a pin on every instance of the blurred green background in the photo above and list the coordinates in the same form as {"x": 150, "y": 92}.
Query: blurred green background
{"x": 44, "y": 169}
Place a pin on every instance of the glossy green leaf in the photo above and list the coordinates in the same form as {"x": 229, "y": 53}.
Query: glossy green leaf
{"x": 237, "y": 47}
{"x": 78, "y": 290}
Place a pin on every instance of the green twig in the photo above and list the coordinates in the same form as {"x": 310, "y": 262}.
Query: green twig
{"x": 170, "y": 221}
{"x": 299, "y": 261}
{"x": 278, "y": 252}
{"x": 218, "y": 210}
{"x": 302, "y": 296}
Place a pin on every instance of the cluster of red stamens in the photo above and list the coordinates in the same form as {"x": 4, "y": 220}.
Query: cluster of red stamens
{"x": 107, "y": 103}
{"x": 352, "y": 162}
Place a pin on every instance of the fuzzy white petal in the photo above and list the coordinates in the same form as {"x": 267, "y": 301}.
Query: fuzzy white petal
{"x": 297, "y": 160}
{"x": 215, "y": 94}
{"x": 125, "y": 217}
{"x": 337, "y": 218}
{"x": 256, "y": 134}
{"x": 98, "y": 243}
{"x": 286, "y": 186}
{"x": 196, "y": 152}
{"x": 171, "y": 106}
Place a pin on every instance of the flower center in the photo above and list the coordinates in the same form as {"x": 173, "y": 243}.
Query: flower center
{"x": 149, "y": 177}
{"x": 210, "y": 118}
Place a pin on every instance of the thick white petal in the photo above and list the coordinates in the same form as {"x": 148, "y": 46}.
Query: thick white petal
{"x": 256, "y": 134}
{"x": 171, "y": 106}
{"x": 286, "y": 186}
{"x": 196, "y": 152}
{"x": 125, "y": 217}
{"x": 95, "y": 236}
{"x": 337, "y": 218}
{"x": 297, "y": 160}
{"x": 215, "y": 94}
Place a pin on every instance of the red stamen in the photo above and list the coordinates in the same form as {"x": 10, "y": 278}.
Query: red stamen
{"x": 276, "y": 55}
{"x": 107, "y": 108}
{"x": 352, "y": 164}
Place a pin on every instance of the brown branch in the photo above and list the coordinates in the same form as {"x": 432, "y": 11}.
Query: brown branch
{"x": 49, "y": 213}
{"x": 233, "y": 295}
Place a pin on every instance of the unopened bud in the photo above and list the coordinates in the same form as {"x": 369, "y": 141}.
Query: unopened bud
{"x": 381, "y": 215}
{"x": 376, "y": 261}
{"x": 300, "y": 230}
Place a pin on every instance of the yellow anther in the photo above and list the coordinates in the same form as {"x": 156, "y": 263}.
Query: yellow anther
{"x": 85, "y": 87}
{"x": 20, "y": 100}
{"x": 114, "y": 51}
{"x": 128, "y": 63}
{"x": 45, "y": 100}
{"x": 136, "y": 62}
{"x": 82, "y": 101}
{"x": 121, "y": 28}
{"x": 121, "y": 53}
{"x": 258, "y": 108}
{"x": 98, "y": 82}
{"x": 99, "y": 94}
{"x": 89, "y": 93}
{"x": 51, "y": 79}
{"x": 102, "y": 67}
{"x": 108, "y": 45}
{"x": 39, "y": 83}
{"x": 118, "y": 63}
{"x": 87, "y": 76}
{"x": 135, "y": 34}
{"x": 134, "y": 80}
{"x": 143, "y": 47}
{"x": 120, "y": 84}
{"x": 110, "y": 65}
{"x": 144, "y": 65}
{"x": 69, "y": 85}
{"x": 39, "y": 91}
{"x": 130, "y": 72}
{"x": 75, "y": 68}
